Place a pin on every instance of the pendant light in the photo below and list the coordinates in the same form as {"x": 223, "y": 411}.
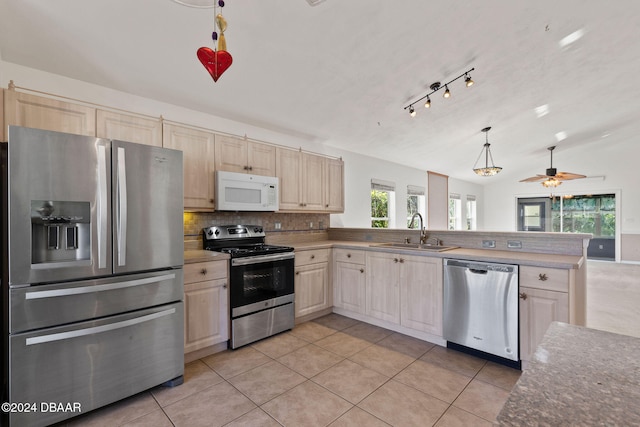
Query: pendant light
{"x": 486, "y": 170}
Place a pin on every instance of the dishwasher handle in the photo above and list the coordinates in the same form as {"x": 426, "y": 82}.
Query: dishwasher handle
{"x": 477, "y": 271}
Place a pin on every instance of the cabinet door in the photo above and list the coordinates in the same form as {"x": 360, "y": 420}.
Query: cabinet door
{"x": 313, "y": 182}
{"x": 349, "y": 287}
{"x": 421, "y": 294}
{"x": 231, "y": 154}
{"x": 127, "y": 127}
{"x": 261, "y": 158}
{"x": 22, "y": 109}
{"x": 288, "y": 170}
{"x": 197, "y": 147}
{"x": 382, "y": 289}
{"x": 312, "y": 288}
{"x": 206, "y": 314}
{"x": 334, "y": 192}
{"x": 538, "y": 308}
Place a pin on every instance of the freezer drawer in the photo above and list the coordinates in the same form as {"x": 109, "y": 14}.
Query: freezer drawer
{"x": 94, "y": 363}
{"x": 42, "y": 306}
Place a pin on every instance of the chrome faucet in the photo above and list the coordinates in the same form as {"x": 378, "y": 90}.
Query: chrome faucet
{"x": 423, "y": 232}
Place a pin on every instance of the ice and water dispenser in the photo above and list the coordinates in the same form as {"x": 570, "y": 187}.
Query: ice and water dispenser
{"x": 60, "y": 232}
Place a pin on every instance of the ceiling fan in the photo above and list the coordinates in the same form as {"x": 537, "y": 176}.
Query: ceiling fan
{"x": 553, "y": 178}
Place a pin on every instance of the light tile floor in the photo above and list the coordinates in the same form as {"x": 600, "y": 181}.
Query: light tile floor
{"x": 333, "y": 371}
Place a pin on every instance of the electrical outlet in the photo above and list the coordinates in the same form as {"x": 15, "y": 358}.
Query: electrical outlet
{"x": 278, "y": 225}
{"x": 311, "y": 225}
{"x": 514, "y": 244}
{"x": 488, "y": 243}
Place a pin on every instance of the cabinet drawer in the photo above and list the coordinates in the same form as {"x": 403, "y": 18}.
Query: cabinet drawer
{"x": 348, "y": 255}
{"x": 202, "y": 271}
{"x": 553, "y": 279}
{"x": 312, "y": 256}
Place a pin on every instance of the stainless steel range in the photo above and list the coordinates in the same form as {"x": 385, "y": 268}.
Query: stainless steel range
{"x": 260, "y": 281}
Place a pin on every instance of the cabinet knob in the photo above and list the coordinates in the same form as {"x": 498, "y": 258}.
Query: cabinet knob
{"x": 542, "y": 277}
{"x": 522, "y": 296}
{"x": 395, "y": 260}
{"x": 210, "y": 200}
{"x": 401, "y": 260}
{"x": 246, "y": 168}
{"x": 348, "y": 255}
{"x": 297, "y": 273}
{"x": 362, "y": 270}
{"x": 203, "y": 271}
{"x": 224, "y": 286}
{"x": 250, "y": 168}
{"x": 327, "y": 205}
{"x": 313, "y": 256}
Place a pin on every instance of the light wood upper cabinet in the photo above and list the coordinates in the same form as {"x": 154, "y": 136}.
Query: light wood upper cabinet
{"x": 197, "y": 147}
{"x": 23, "y": 109}
{"x": 128, "y": 127}
{"x": 334, "y": 192}
{"x": 288, "y": 164}
{"x": 239, "y": 155}
{"x": 309, "y": 182}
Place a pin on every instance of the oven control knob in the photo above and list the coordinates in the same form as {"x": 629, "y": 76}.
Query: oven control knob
{"x": 258, "y": 229}
{"x": 217, "y": 232}
{"x": 210, "y": 232}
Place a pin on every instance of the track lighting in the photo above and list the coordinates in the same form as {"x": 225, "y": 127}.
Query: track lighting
{"x": 436, "y": 87}
{"x": 486, "y": 170}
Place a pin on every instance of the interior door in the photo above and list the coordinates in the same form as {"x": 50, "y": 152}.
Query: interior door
{"x": 147, "y": 207}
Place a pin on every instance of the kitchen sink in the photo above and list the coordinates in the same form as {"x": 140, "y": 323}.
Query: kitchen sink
{"x": 416, "y": 246}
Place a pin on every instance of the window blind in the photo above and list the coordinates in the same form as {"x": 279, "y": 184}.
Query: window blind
{"x": 380, "y": 185}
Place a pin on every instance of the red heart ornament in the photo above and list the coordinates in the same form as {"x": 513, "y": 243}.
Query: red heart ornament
{"x": 216, "y": 62}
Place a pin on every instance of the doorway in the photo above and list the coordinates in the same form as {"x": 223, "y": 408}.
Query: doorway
{"x": 592, "y": 213}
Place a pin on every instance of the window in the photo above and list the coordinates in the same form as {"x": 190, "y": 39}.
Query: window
{"x": 595, "y": 214}
{"x": 455, "y": 212}
{"x": 471, "y": 212}
{"x": 382, "y": 203}
{"x": 416, "y": 203}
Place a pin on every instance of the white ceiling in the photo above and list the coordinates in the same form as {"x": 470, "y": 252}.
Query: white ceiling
{"x": 340, "y": 73}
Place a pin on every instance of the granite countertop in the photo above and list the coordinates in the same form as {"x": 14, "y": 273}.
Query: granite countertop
{"x": 578, "y": 377}
{"x": 489, "y": 255}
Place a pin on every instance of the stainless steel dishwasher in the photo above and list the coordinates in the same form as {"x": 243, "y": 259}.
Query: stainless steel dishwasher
{"x": 481, "y": 307}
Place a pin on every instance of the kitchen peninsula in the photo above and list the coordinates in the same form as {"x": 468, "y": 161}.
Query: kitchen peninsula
{"x": 578, "y": 376}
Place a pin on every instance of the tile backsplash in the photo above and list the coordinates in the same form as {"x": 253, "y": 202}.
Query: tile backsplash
{"x": 273, "y": 223}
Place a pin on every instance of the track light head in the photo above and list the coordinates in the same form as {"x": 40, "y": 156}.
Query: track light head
{"x": 467, "y": 80}
{"x": 447, "y": 92}
{"x": 412, "y": 112}
{"x": 427, "y": 104}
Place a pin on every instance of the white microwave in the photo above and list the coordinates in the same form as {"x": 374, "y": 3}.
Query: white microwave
{"x": 245, "y": 192}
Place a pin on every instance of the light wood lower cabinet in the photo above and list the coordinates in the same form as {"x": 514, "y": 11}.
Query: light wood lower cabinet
{"x": 544, "y": 298}
{"x": 421, "y": 294}
{"x": 206, "y": 305}
{"x": 349, "y": 280}
{"x": 313, "y": 292}
{"x": 383, "y": 286}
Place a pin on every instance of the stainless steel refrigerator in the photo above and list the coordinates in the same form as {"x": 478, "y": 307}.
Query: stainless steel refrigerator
{"x": 92, "y": 281}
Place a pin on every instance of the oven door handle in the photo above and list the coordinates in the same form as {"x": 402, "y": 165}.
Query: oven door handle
{"x": 259, "y": 259}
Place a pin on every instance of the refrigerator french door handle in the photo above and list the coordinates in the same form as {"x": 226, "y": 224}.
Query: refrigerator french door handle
{"x": 102, "y": 218}
{"x": 97, "y": 329}
{"x": 121, "y": 221}
{"x": 97, "y": 288}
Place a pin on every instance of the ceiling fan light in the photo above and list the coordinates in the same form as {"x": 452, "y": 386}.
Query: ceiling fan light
{"x": 551, "y": 183}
